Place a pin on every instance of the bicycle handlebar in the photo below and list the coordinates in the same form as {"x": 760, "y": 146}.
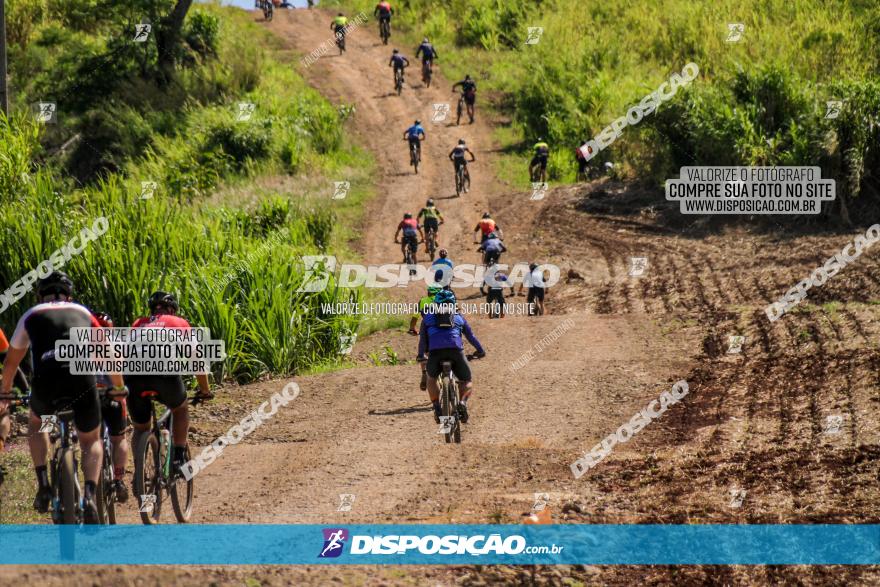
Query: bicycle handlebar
{"x": 15, "y": 399}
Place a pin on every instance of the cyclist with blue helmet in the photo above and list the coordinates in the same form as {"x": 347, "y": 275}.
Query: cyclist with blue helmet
{"x": 440, "y": 337}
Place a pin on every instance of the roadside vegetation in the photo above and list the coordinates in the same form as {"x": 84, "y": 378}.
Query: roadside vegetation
{"x": 199, "y": 202}
{"x": 758, "y": 101}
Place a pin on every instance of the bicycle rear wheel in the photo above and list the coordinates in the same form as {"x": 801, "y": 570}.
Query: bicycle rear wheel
{"x": 67, "y": 486}
{"x": 182, "y": 495}
{"x": 148, "y": 476}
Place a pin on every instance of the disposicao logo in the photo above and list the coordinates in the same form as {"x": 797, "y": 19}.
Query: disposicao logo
{"x": 334, "y": 540}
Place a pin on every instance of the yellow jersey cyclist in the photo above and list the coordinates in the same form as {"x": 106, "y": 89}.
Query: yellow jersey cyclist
{"x": 431, "y": 219}
{"x": 539, "y": 160}
{"x": 339, "y": 24}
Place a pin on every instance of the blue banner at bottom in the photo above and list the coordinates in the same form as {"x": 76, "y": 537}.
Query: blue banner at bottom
{"x": 421, "y": 544}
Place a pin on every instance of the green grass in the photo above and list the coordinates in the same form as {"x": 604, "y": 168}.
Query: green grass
{"x": 237, "y": 202}
{"x": 19, "y": 488}
{"x": 760, "y": 101}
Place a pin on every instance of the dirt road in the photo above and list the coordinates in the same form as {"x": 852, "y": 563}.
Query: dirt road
{"x": 621, "y": 341}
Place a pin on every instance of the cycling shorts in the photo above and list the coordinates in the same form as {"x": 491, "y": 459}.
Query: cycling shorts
{"x": 115, "y": 416}
{"x": 470, "y": 98}
{"x": 496, "y": 294}
{"x": 455, "y": 356}
{"x": 58, "y": 390}
{"x": 535, "y": 293}
{"x": 431, "y": 224}
{"x": 411, "y": 239}
{"x": 459, "y": 162}
{"x": 540, "y": 158}
{"x": 170, "y": 389}
{"x": 491, "y": 257}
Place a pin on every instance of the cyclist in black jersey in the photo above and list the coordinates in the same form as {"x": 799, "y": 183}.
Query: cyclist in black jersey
{"x": 457, "y": 156}
{"x": 55, "y": 388}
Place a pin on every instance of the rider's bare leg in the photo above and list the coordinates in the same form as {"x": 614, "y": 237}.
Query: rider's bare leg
{"x": 465, "y": 388}
{"x": 433, "y": 389}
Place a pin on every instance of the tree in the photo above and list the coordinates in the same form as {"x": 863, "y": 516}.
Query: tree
{"x": 168, "y": 35}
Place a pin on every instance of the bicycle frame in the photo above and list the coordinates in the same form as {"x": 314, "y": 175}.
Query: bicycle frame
{"x": 67, "y": 435}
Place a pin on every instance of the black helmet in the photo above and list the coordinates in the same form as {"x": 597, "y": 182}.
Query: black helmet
{"x": 395, "y": 51}
{"x": 56, "y": 282}
{"x": 467, "y": 76}
{"x": 430, "y": 202}
{"x": 418, "y": 122}
{"x": 161, "y": 298}
{"x": 461, "y": 141}
{"x": 407, "y": 215}
{"x": 486, "y": 215}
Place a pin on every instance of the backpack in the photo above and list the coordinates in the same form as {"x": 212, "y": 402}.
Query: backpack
{"x": 445, "y": 315}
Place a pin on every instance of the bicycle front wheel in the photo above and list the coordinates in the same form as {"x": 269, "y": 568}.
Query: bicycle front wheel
{"x": 182, "y": 495}
{"x": 148, "y": 478}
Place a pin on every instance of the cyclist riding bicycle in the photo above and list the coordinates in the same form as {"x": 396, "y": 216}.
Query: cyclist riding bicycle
{"x": 457, "y": 156}
{"x": 427, "y": 52}
{"x": 487, "y": 226}
{"x": 424, "y": 303}
{"x": 115, "y": 416}
{"x": 431, "y": 219}
{"x": 20, "y": 382}
{"x": 492, "y": 248}
{"x": 469, "y": 91}
{"x": 339, "y": 24}
{"x": 411, "y": 230}
{"x": 415, "y": 135}
{"x": 398, "y": 62}
{"x": 542, "y": 152}
{"x": 169, "y": 388}
{"x": 54, "y": 386}
{"x": 495, "y": 281}
{"x": 440, "y": 336}
{"x": 443, "y": 259}
{"x": 383, "y": 11}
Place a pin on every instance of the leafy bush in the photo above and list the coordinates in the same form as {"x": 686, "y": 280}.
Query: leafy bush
{"x": 202, "y": 33}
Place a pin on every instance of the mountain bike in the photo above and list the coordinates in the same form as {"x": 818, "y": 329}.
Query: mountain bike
{"x": 409, "y": 252}
{"x": 268, "y": 9}
{"x": 450, "y": 402}
{"x": 105, "y": 496}
{"x": 431, "y": 242}
{"x": 538, "y": 171}
{"x": 340, "y": 40}
{"x": 414, "y": 155}
{"x": 154, "y": 471}
{"x": 462, "y": 181}
{"x": 66, "y": 506}
{"x": 384, "y": 30}
{"x": 398, "y": 80}
{"x": 427, "y": 72}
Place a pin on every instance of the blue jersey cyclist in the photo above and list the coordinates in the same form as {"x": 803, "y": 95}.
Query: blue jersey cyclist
{"x": 415, "y": 134}
{"x": 441, "y": 336}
